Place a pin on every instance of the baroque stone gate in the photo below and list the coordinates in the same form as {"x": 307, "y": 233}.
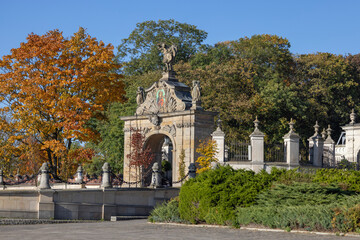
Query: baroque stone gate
{"x": 168, "y": 109}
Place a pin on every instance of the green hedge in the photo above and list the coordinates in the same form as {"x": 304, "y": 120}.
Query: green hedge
{"x": 321, "y": 200}
{"x": 343, "y": 216}
{"x": 214, "y": 195}
{"x": 349, "y": 179}
{"x": 298, "y": 194}
{"x": 166, "y": 212}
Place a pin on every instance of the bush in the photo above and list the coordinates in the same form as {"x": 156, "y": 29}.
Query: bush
{"x": 348, "y": 179}
{"x": 214, "y": 195}
{"x": 339, "y": 210}
{"x": 306, "y": 216}
{"x": 302, "y": 194}
{"x": 166, "y": 212}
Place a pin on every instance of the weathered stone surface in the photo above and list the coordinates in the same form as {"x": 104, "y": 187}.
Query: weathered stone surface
{"x": 165, "y": 96}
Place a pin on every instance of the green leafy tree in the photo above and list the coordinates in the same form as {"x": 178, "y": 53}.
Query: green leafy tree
{"x": 139, "y": 52}
{"x": 329, "y": 87}
{"x": 227, "y": 88}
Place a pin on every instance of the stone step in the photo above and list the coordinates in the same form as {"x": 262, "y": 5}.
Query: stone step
{"x": 122, "y": 218}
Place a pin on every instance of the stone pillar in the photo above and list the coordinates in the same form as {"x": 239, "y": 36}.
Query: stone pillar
{"x": 44, "y": 180}
{"x": 291, "y": 147}
{"x": 105, "y": 181}
{"x": 352, "y": 145}
{"x": 192, "y": 170}
{"x": 219, "y": 137}
{"x": 257, "y": 148}
{"x": 316, "y": 145}
{"x": 79, "y": 175}
{"x": 156, "y": 177}
{"x": 2, "y": 185}
{"x": 329, "y": 147}
{"x": 46, "y": 204}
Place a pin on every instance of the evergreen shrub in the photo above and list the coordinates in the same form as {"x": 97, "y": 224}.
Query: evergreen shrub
{"x": 166, "y": 212}
{"x": 340, "y": 216}
{"x": 298, "y": 194}
{"x": 348, "y": 179}
{"x": 213, "y": 196}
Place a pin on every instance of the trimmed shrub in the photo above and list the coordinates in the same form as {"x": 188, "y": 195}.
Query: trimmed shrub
{"x": 302, "y": 194}
{"x": 214, "y": 195}
{"x": 342, "y": 214}
{"x": 166, "y": 212}
{"x": 348, "y": 179}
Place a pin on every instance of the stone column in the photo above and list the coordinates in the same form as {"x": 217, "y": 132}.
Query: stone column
{"x": 46, "y": 204}
{"x": 257, "y": 148}
{"x": 44, "y": 179}
{"x": 192, "y": 170}
{"x": 219, "y": 137}
{"x": 156, "y": 177}
{"x": 329, "y": 147}
{"x": 105, "y": 181}
{"x": 2, "y": 186}
{"x": 291, "y": 147}
{"x": 352, "y": 145}
{"x": 316, "y": 145}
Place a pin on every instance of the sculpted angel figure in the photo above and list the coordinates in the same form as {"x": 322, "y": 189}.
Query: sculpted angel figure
{"x": 195, "y": 93}
{"x": 169, "y": 55}
{"x": 140, "y": 97}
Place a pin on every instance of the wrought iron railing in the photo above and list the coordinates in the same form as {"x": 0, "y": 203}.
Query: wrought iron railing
{"x": 237, "y": 151}
{"x": 274, "y": 153}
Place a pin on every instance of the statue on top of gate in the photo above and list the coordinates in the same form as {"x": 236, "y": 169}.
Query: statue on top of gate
{"x": 168, "y": 94}
{"x": 169, "y": 55}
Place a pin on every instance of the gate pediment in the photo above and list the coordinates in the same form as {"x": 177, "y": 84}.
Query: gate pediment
{"x": 164, "y": 97}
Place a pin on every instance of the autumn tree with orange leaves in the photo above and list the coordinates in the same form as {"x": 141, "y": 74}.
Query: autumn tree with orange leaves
{"x": 50, "y": 88}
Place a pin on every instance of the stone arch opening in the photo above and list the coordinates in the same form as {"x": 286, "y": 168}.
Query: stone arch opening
{"x": 162, "y": 147}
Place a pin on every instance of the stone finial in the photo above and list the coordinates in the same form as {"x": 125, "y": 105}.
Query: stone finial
{"x": 328, "y": 131}
{"x": 218, "y": 123}
{"x": 44, "y": 167}
{"x": 352, "y": 116}
{"x": 256, "y": 131}
{"x": 323, "y": 134}
{"x": 106, "y": 167}
{"x": 291, "y": 133}
{"x": 155, "y": 167}
{"x": 79, "y": 175}
{"x": 44, "y": 179}
{"x": 192, "y": 170}
{"x": 105, "y": 181}
{"x": 291, "y": 124}
{"x": 316, "y": 128}
{"x": 256, "y": 123}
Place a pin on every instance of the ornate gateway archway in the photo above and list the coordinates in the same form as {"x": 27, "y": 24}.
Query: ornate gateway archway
{"x": 169, "y": 109}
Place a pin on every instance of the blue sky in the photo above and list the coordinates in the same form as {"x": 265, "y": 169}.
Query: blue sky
{"x": 310, "y": 26}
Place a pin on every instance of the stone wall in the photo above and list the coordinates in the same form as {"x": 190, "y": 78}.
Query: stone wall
{"x": 86, "y": 204}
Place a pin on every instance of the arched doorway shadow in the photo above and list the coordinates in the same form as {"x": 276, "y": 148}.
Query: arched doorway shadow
{"x": 162, "y": 147}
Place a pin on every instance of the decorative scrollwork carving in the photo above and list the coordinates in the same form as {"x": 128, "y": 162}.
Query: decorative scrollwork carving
{"x": 170, "y": 129}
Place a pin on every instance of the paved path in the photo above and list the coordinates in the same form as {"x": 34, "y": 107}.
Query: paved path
{"x": 140, "y": 229}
